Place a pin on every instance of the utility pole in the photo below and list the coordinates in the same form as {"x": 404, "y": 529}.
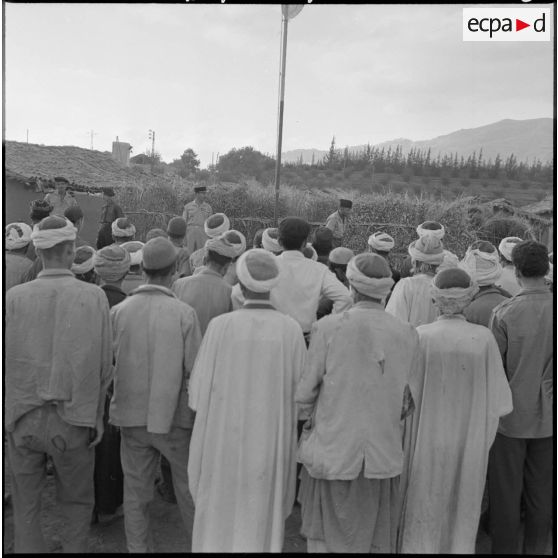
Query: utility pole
{"x": 91, "y": 134}
{"x": 288, "y": 12}
{"x": 28, "y": 136}
{"x": 152, "y": 138}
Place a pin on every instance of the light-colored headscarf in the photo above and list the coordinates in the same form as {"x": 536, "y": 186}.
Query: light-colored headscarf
{"x": 112, "y": 262}
{"x": 135, "y": 249}
{"x": 438, "y": 233}
{"x": 341, "y": 255}
{"x": 217, "y": 224}
{"x": 119, "y": 228}
{"x": 381, "y": 241}
{"x": 233, "y": 236}
{"x": 452, "y": 300}
{"x": 83, "y": 260}
{"x": 222, "y": 246}
{"x": 258, "y": 270}
{"x": 271, "y": 243}
{"x": 483, "y": 267}
{"x": 370, "y": 275}
{"x": 507, "y": 245}
{"x": 18, "y": 235}
{"x": 427, "y": 249}
{"x": 47, "y": 238}
{"x": 450, "y": 260}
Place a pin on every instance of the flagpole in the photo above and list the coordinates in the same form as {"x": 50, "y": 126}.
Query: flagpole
{"x": 280, "y": 122}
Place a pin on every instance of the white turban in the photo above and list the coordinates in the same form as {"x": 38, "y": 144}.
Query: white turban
{"x": 483, "y": 267}
{"x": 18, "y": 235}
{"x": 374, "y": 287}
{"x": 270, "y": 243}
{"x": 214, "y": 232}
{"x": 381, "y": 241}
{"x": 438, "y": 233}
{"x": 507, "y": 245}
{"x": 452, "y": 300}
{"x": 427, "y": 249}
{"x": 135, "y": 249}
{"x": 231, "y": 236}
{"x": 112, "y": 262}
{"x": 117, "y": 231}
{"x": 221, "y": 246}
{"x": 87, "y": 264}
{"x": 47, "y": 238}
{"x": 450, "y": 260}
{"x": 258, "y": 270}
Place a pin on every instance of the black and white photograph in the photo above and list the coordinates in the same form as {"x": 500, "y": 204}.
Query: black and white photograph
{"x": 279, "y": 278}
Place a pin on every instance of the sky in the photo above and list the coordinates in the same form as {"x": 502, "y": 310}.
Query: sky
{"x": 206, "y": 77}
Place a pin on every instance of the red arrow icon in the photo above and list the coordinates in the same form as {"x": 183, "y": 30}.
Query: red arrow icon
{"x": 519, "y": 25}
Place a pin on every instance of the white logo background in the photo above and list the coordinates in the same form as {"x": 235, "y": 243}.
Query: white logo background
{"x": 527, "y": 15}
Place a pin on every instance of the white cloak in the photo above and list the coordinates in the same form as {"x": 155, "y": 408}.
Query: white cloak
{"x": 460, "y": 393}
{"x": 242, "y": 464}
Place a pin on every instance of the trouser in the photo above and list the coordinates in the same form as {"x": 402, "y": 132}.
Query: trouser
{"x": 516, "y": 467}
{"x": 39, "y": 433}
{"x": 166, "y": 475}
{"x": 140, "y": 453}
{"x": 104, "y": 236}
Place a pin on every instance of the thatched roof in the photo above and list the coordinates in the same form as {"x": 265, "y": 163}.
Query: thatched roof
{"x": 543, "y": 206}
{"x": 82, "y": 167}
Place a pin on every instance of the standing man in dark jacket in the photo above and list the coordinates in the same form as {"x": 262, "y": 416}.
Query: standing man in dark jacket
{"x": 109, "y": 213}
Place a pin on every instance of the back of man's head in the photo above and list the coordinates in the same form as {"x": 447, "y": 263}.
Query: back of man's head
{"x": 74, "y": 214}
{"x": 530, "y": 258}
{"x": 293, "y": 232}
{"x": 61, "y": 248}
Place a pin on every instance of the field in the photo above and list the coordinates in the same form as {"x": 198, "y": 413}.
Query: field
{"x": 250, "y": 207}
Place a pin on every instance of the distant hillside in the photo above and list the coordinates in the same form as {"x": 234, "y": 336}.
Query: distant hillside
{"x": 526, "y": 139}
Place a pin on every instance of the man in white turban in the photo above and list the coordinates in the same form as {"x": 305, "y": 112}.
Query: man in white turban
{"x": 123, "y": 230}
{"x": 215, "y": 225}
{"x": 207, "y": 292}
{"x": 242, "y": 455}
{"x": 482, "y": 263}
{"x": 410, "y": 300}
{"x": 83, "y": 267}
{"x": 134, "y": 278}
{"x": 352, "y": 392}
{"x": 58, "y": 351}
{"x": 508, "y": 280}
{"x": 382, "y": 243}
{"x": 17, "y": 238}
{"x": 270, "y": 241}
{"x": 460, "y": 391}
{"x": 428, "y": 228}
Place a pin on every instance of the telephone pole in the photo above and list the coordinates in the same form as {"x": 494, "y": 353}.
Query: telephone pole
{"x": 152, "y": 138}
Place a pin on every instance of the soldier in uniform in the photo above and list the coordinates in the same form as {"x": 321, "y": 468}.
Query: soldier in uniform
{"x": 195, "y": 213}
{"x": 336, "y": 222}
{"x": 109, "y": 213}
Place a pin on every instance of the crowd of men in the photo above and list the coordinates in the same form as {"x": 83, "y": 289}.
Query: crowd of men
{"x": 394, "y": 405}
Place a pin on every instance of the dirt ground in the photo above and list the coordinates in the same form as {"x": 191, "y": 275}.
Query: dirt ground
{"x": 167, "y": 527}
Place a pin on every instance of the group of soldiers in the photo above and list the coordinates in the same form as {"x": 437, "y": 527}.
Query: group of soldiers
{"x": 295, "y": 371}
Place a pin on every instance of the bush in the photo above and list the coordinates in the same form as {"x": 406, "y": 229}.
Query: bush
{"x": 497, "y": 228}
{"x": 465, "y": 182}
{"x": 525, "y": 185}
{"x": 425, "y": 180}
{"x": 445, "y": 181}
{"x": 540, "y": 195}
{"x": 485, "y": 183}
{"x": 505, "y": 185}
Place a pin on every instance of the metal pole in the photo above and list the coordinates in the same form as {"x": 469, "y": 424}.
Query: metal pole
{"x": 280, "y": 123}
{"x": 27, "y": 135}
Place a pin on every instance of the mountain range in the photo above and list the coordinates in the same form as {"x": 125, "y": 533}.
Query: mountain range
{"x": 526, "y": 139}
